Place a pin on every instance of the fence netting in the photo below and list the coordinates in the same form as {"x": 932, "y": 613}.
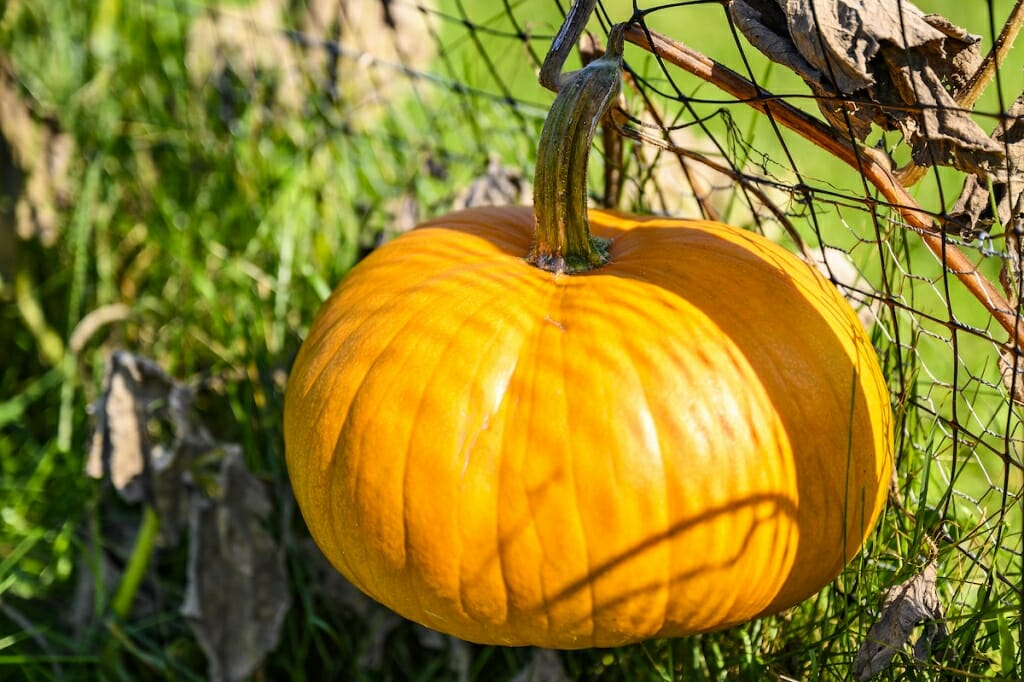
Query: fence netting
{"x": 880, "y": 142}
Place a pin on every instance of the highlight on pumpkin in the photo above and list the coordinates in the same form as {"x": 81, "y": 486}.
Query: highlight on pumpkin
{"x": 689, "y": 434}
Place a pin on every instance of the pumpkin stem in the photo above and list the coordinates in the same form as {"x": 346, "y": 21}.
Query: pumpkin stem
{"x": 562, "y": 241}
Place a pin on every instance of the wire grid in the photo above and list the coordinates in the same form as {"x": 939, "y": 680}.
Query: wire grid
{"x": 466, "y": 71}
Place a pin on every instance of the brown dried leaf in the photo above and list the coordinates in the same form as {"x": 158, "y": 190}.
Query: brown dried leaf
{"x": 146, "y": 439}
{"x": 35, "y": 158}
{"x": 500, "y": 185}
{"x": 237, "y": 593}
{"x": 973, "y": 212}
{"x": 1011, "y": 367}
{"x": 891, "y": 64}
{"x": 907, "y": 605}
{"x": 133, "y": 389}
{"x": 837, "y": 266}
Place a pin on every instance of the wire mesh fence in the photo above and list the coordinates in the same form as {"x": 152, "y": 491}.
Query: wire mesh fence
{"x": 712, "y": 126}
{"x": 880, "y": 143}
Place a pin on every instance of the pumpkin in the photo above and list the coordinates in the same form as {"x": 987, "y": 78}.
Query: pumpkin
{"x": 689, "y": 434}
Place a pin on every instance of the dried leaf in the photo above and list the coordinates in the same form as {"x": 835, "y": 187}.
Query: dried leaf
{"x": 498, "y": 186}
{"x": 1011, "y": 367}
{"x": 133, "y": 389}
{"x": 907, "y": 605}
{"x": 140, "y": 398}
{"x": 35, "y": 159}
{"x": 973, "y": 211}
{"x": 840, "y": 269}
{"x": 883, "y": 62}
{"x": 237, "y": 593}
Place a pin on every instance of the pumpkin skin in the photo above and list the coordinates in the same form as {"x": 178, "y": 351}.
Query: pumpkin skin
{"x": 691, "y": 436}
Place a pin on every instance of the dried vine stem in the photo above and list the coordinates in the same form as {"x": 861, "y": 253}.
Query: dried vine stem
{"x": 995, "y": 58}
{"x": 616, "y": 128}
{"x": 611, "y": 142}
{"x": 871, "y": 163}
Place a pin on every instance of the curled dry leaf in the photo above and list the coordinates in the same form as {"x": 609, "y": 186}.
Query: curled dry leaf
{"x": 139, "y": 400}
{"x": 883, "y": 62}
{"x": 973, "y": 212}
{"x": 134, "y": 390}
{"x": 906, "y": 606}
{"x": 237, "y": 593}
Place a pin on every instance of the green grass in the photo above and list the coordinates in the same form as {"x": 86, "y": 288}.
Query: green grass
{"x": 221, "y": 218}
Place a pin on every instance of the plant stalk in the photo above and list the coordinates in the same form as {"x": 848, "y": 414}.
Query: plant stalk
{"x": 124, "y": 598}
{"x": 562, "y": 241}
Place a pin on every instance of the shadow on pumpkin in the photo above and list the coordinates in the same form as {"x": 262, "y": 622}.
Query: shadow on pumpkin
{"x": 718, "y": 600}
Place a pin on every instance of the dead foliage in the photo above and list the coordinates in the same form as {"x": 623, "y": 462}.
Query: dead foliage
{"x": 153, "y": 449}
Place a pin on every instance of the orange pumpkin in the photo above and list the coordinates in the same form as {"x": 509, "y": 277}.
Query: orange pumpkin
{"x": 689, "y": 436}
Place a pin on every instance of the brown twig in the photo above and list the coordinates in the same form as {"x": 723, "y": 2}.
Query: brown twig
{"x": 611, "y": 141}
{"x": 871, "y": 163}
{"x": 994, "y": 59}
{"x": 565, "y": 41}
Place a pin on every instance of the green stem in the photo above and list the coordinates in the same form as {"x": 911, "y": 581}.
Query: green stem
{"x": 123, "y": 600}
{"x": 562, "y": 242}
